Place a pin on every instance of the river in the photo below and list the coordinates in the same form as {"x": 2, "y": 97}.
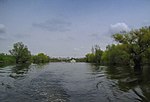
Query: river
{"x": 73, "y": 82}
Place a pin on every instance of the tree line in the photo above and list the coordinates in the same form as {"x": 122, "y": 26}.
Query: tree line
{"x": 20, "y": 54}
{"x": 133, "y": 48}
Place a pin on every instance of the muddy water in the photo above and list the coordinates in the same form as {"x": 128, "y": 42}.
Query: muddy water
{"x": 73, "y": 82}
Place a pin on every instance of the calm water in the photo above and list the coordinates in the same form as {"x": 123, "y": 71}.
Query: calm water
{"x": 73, "y": 82}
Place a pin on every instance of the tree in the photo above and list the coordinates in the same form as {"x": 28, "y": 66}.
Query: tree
{"x": 137, "y": 42}
{"x": 21, "y": 53}
{"x": 115, "y": 55}
{"x": 90, "y": 57}
{"x": 98, "y": 54}
{"x": 40, "y": 58}
{"x": 6, "y": 59}
{"x": 95, "y": 56}
{"x": 146, "y": 57}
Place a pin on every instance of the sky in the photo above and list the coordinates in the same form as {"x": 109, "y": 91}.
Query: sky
{"x": 68, "y": 28}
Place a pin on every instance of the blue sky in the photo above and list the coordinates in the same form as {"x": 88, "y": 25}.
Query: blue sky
{"x": 68, "y": 27}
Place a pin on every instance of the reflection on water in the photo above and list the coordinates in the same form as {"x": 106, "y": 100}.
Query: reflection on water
{"x": 128, "y": 81}
{"x": 19, "y": 70}
{"x": 73, "y": 82}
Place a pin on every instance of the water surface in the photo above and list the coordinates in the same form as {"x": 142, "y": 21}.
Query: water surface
{"x": 73, "y": 82}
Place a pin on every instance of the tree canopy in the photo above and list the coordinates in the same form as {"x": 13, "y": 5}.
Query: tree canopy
{"x": 136, "y": 42}
{"x": 115, "y": 55}
{"x": 40, "y": 58}
{"x": 6, "y": 59}
{"x": 95, "y": 56}
{"x": 21, "y": 53}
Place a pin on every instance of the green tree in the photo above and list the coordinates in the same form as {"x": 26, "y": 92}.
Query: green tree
{"x": 95, "y": 56}
{"x": 21, "y": 53}
{"x": 90, "y": 57}
{"x": 146, "y": 57}
{"x": 137, "y": 42}
{"x": 6, "y": 59}
{"x": 98, "y": 54}
{"x": 40, "y": 58}
{"x": 115, "y": 55}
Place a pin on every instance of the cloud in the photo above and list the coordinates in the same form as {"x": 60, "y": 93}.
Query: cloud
{"x": 2, "y": 29}
{"x": 118, "y": 27}
{"x": 54, "y": 25}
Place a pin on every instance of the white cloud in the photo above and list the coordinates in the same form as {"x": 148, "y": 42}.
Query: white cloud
{"x": 2, "y": 28}
{"x": 118, "y": 27}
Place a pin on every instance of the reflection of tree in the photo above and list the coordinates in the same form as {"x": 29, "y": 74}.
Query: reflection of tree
{"x": 19, "y": 70}
{"x": 2, "y": 65}
{"x": 41, "y": 65}
{"x": 119, "y": 72}
{"x": 142, "y": 98}
{"x": 96, "y": 68}
{"x": 128, "y": 80}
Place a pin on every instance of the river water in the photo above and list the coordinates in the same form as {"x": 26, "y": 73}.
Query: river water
{"x": 73, "y": 82}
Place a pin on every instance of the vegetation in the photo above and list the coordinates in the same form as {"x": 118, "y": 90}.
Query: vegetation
{"x": 137, "y": 42}
{"x": 115, "y": 55}
{"x": 146, "y": 57}
{"x": 6, "y": 59}
{"x": 95, "y": 56}
{"x": 55, "y": 60}
{"x": 80, "y": 59}
{"x": 40, "y": 58}
{"x": 133, "y": 48}
{"x": 67, "y": 59}
{"x": 21, "y": 53}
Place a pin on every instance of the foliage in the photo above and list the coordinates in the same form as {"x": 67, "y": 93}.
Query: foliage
{"x": 80, "y": 59}
{"x": 98, "y": 54}
{"x": 137, "y": 43}
{"x": 115, "y": 55}
{"x": 90, "y": 57}
{"x": 20, "y": 53}
{"x": 55, "y": 60}
{"x": 40, "y": 58}
{"x": 146, "y": 57}
{"x": 6, "y": 59}
{"x": 133, "y": 47}
{"x": 95, "y": 56}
